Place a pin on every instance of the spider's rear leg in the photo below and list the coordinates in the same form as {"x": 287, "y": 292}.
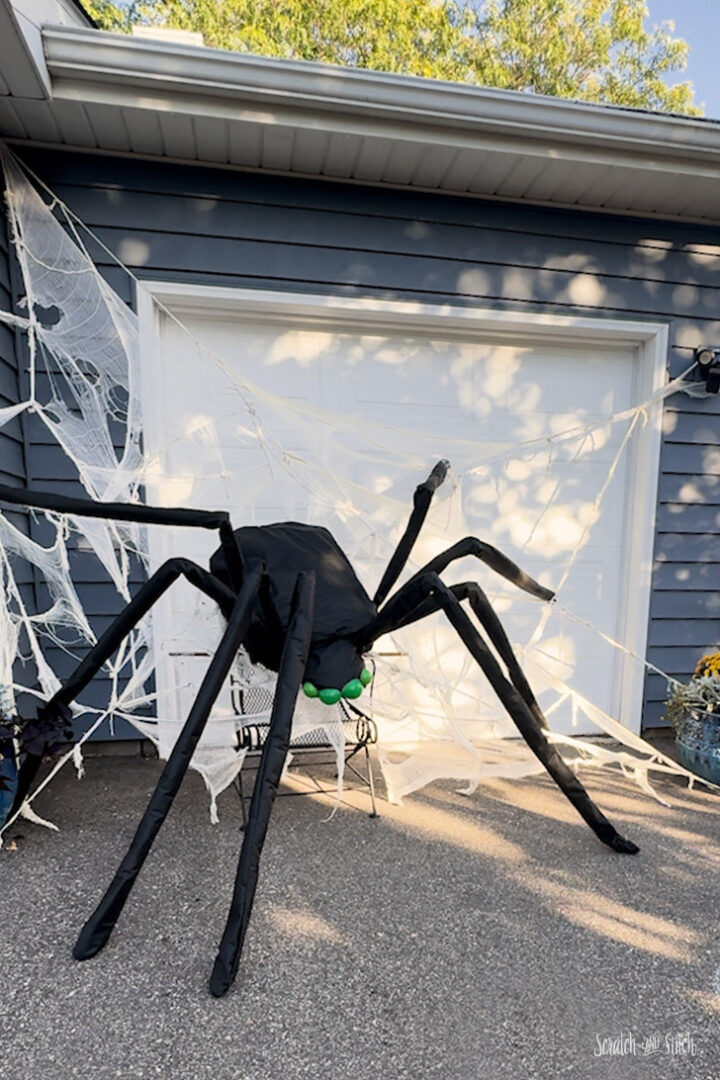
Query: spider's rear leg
{"x": 56, "y": 709}
{"x": 272, "y": 760}
{"x": 428, "y": 586}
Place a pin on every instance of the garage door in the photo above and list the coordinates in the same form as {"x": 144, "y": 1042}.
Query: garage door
{"x": 471, "y": 391}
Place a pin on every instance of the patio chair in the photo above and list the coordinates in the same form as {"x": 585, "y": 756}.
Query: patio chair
{"x": 252, "y": 704}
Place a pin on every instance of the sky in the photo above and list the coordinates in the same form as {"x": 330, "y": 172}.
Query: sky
{"x": 698, "y": 22}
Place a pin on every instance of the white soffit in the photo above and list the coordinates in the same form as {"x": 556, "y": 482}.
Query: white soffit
{"x": 140, "y": 96}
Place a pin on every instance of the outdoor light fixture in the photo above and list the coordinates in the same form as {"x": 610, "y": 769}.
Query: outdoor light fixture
{"x": 708, "y": 362}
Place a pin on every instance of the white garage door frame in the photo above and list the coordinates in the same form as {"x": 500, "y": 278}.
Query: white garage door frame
{"x": 648, "y": 341}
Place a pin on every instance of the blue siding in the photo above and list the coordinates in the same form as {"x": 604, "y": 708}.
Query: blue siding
{"x": 228, "y": 227}
{"x": 12, "y": 458}
{"x": 24, "y": 444}
{"x": 13, "y": 436}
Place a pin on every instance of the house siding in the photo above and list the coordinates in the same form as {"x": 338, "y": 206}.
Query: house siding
{"x": 12, "y": 455}
{"x": 185, "y": 223}
{"x": 13, "y": 436}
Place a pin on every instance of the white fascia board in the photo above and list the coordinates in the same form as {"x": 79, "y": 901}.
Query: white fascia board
{"x": 145, "y": 73}
{"x": 22, "y": 59}
{"x": 21, "y": 54}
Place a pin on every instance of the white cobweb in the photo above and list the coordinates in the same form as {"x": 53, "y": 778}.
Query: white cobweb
{"x": 228, "y": 443}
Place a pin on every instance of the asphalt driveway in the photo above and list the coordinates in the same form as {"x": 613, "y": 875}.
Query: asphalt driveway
{"x": 455, "y": 937}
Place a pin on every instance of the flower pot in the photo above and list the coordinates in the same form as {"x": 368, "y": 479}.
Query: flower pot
{"x": 697, "y": 736}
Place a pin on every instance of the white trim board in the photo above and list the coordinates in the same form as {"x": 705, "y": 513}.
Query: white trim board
{"x": 649, "y": 342}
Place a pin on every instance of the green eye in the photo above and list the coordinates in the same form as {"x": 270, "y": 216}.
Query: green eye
{"x": 330, "y": 696}
{"x": 352, "y": 689}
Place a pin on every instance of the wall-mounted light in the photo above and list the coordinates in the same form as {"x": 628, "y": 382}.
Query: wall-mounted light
{"x": 708, "y": 362}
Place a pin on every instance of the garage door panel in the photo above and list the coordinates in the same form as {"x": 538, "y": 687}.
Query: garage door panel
{"x": 597, "y": 382}
{"x": 536, "y": 504}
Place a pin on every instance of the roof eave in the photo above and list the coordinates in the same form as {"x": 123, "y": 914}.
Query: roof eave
{"x": 666, "y": 161}
{"x": 74, "y": 55}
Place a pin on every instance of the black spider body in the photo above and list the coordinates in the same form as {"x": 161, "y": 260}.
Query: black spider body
{"x": 341, "y": 610}
{"x": 291, "y": 597}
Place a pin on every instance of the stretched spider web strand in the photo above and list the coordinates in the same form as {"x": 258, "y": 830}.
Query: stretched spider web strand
{"x": 591, "y": 519}
{"x": 649, "y": 759}
{"x": 561, "y": 609}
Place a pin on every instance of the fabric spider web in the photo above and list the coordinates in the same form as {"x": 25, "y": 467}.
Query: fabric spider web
{"x": 287, "y": 459}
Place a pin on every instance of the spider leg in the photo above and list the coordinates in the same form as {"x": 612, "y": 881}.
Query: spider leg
{"x": 493, "y": 558}
{"x": 488, "y": 619}
{"x": 274, "y": 752}
{"x": 421, "y": 504}
{"x": 416, "y": 593}
{"x": 97, "y": 929}
{"x": 128, "y": 618}
{"x": 146, "y": 596}
{"x": 56, "y": 710}
{"x": 115, "y": 511}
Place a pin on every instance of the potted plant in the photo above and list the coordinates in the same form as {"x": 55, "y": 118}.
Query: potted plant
{"x": 693, "y": 710}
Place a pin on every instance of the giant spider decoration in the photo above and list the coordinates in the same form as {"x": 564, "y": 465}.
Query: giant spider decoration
{"x": 291, "y": 597}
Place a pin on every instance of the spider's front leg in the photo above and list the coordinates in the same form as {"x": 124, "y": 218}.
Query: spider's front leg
{"x": 428, "y": 587}
{"x": 274, "y": 752}
{"x": 489, "y": 555}
{"x": 493, "y": 627}
{"x": 97, "y": 929}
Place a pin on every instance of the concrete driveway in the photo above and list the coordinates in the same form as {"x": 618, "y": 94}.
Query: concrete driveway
{"x": 458, "y": 938}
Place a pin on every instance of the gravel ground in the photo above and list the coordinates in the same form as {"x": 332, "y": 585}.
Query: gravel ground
{"x": 489, "y": 936}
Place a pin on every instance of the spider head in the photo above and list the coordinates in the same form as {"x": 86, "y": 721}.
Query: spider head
{"x": 335, "y": 670}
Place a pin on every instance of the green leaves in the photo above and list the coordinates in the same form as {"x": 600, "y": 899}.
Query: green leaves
{"x": 109, "y": 16}
{"x": 591, "y": 50}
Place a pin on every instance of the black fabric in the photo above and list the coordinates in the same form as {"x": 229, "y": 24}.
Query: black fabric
{"x": 99, "y": 926}
{"x": 486, "y": 616}
{"x": 50, "y": 733}
{"x": 55, "y": 716}
{"x": 272, "y": 761}
{"x": 493, "y": 558}
{"x": 130, "y": 616}
{"x": 233, "y": 559}
{"x": 421, "y": 504}
{"x": 408, "y": 600}
{"x": 143, "y": 515}
{"x": 342, "y": 606}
